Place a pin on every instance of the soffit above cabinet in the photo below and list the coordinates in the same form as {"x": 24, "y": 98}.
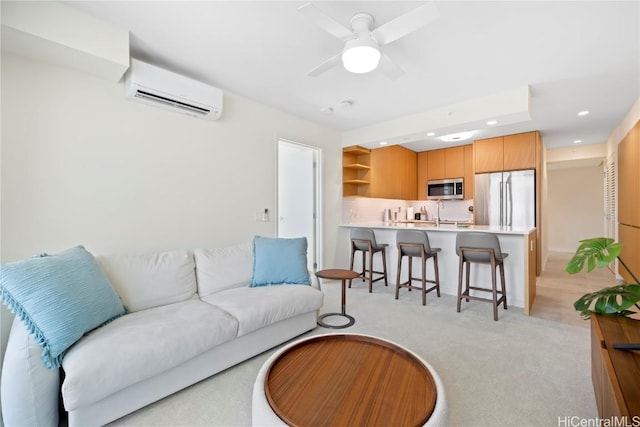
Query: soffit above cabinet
{"x": 510, "y": 107}
{"x": 62, "y": 35}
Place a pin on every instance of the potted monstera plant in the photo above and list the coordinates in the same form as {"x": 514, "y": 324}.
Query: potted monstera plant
{"x": 619, "y": 300}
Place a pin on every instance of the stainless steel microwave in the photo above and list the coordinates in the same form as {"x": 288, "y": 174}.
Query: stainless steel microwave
{"x": 445, "y": 189}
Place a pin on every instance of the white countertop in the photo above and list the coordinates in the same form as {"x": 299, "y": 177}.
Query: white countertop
{"x": 428, "y": 226}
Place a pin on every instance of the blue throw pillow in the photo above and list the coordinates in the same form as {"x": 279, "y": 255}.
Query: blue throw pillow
{"x": 59, "y": 298}
{"x": 277, "y": 261}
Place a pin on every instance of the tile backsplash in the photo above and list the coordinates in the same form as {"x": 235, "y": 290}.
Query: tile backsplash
{"x": 365, "y": 209}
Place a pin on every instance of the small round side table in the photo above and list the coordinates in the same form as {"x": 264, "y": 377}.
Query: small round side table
{"x": 337, "y": 274}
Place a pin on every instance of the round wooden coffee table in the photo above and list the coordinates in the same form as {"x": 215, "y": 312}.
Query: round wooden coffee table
{"x": 347, "y": 379}
{"x": 338, "y": 274}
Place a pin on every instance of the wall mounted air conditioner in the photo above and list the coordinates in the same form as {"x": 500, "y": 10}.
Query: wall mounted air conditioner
{"x": 154, "y": 86}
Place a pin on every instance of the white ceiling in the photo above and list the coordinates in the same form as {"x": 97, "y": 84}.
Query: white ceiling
{"x": 574, "y": 55}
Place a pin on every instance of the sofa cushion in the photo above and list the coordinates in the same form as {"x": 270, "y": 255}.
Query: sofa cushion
{"x": 140, "y": 345}
{"x": 59, "y": 298}
{"x": 279, "y": 260}
{"x": 223, "y": 268}
{"x": 151, "y": 280}
{"x": 258, "y": 307}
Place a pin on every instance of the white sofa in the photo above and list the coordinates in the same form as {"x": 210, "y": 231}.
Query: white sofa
{"x": 190, "y": 315}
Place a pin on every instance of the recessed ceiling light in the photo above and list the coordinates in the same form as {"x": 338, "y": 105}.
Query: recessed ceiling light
{"x": 577, "y": 141}
{"x": 460, "y": 136}
{"x": 583, "y": 113}
{"x": 492, "y": 122}
{"x": 431, "y": 134}
{"x": 383, "y": 142}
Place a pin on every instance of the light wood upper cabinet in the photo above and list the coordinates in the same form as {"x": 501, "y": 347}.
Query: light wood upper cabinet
{"x": 454, "y": 162}
{"x": 435, "y": 164}
{"x": 469, "y": 177}
{"x": 445, "y": 163}
{"x": 393, "y": 173}
{"x": 629, "y": 177}
{"x": 520, "y": 151}
{"x": 489, "y": 155}
{"x": 408, "y": 172}
{"x": 506, "y": 153}
{"x": 423, "y": 158}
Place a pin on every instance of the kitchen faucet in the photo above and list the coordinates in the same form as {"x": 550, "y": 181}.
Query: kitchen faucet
{"x": 438, "y": 203}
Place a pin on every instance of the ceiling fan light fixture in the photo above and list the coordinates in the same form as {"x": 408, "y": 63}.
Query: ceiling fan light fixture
{"x": 361, "y": 55}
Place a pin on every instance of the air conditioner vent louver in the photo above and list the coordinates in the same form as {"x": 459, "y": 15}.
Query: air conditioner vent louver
{"x": 170, "y": 102}
{"x": 161, "y": 88}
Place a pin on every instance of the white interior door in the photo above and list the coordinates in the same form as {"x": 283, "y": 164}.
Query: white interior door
{"x": 298, "y": 196}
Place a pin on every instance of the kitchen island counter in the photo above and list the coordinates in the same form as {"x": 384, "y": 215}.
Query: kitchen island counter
{"x": 518, "y": 242}
{"x": 448, "y": 226}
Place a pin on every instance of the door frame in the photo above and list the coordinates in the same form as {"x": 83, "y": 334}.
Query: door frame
{"x": 316, "y": 253}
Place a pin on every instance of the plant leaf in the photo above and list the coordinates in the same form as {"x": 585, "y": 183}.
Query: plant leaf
{"x": 597, "y": 252}
{"x": 613, "y": 300}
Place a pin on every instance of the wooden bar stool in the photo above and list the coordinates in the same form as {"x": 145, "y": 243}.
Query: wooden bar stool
{"x": 481, "y": 248}
{"x": 363, "y": 239}
{"x": 415, "y": 243}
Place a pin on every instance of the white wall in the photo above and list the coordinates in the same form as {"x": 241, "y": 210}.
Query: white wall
{"x": 574, "y": 207}
{"x": 82, "y": 165}
{"x": 577, "y": 153}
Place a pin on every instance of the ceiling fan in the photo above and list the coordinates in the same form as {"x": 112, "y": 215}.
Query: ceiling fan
{"x": 361, "y": 53}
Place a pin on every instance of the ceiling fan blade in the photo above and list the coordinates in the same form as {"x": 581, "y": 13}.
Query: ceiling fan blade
{"x": 405, "y": 24}
{"x": 326, "y": 65}
{"x": 325, "y": 22}
{"x": 389, "y": 68}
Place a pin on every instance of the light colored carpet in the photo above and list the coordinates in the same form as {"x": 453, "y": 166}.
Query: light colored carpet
{"x": 518, "y": 371}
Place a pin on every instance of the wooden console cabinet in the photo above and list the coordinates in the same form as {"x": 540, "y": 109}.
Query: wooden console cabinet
{"x": 615, "y": 373}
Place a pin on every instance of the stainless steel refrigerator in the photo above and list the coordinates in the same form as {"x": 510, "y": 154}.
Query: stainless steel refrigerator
{"x": 506, "y": 199}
